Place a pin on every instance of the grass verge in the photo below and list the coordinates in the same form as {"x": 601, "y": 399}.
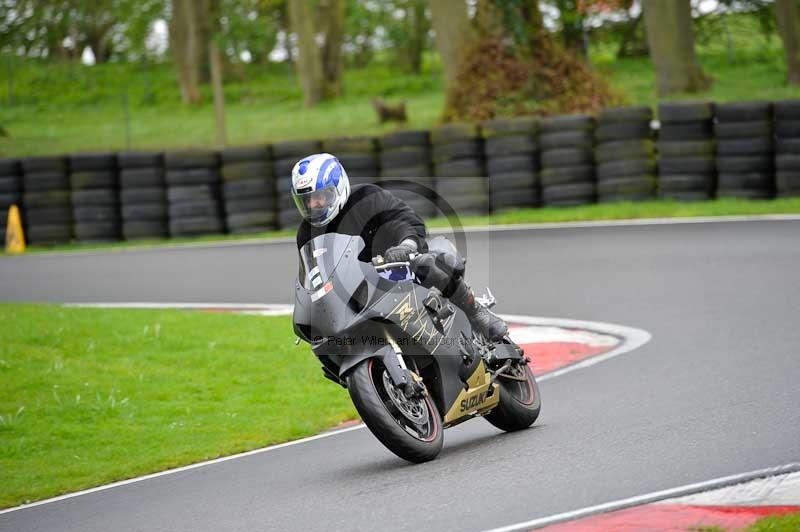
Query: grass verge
{"x": 609, "y": 211}
{"x": 776, "y": 523}
{"x": 90, "y": 396}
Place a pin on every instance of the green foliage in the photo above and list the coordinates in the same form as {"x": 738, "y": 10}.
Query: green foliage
{"x": 90, "y": 396}
{"x": 394, "y": 29}
{"x": 63, "y": 28}
{"x": 250, "y": 26}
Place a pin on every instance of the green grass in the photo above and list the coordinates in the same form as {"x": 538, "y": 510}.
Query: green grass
{"x": 611, "y": 211}
{"x": 753, "y": 67}
{"x": 265, "y": 106}
{"x": 757, "y": 75}
{"x": 65, "y": 108}
{"x": 89, "y": 396}
{"x": 777, "y": 523}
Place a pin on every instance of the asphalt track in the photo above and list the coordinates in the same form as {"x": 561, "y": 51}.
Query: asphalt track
{"x": 715, "y": 392}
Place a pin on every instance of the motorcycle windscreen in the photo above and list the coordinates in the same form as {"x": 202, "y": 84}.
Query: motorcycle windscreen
{"x": 320, "y": 256}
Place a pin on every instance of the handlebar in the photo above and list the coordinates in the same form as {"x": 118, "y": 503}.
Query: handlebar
{"x": 380, "y": 265}
{"x": 386, "y": 266}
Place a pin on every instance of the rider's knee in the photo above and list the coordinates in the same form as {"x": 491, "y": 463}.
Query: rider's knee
{"x": 429, "y": 273}
{"x": 451, "y": 264}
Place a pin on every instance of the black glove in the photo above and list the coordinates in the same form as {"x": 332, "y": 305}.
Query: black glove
{"x": 400, "y": 253}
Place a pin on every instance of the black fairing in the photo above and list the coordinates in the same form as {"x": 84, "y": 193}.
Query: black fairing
{"x": 351, "y": 321}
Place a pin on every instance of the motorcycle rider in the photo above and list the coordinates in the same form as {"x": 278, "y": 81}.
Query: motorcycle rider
{"x": 390, "y": 228}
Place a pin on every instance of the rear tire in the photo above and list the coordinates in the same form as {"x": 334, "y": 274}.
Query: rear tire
{"x": 372, "y": 393}
{"x": 520, "y": 402}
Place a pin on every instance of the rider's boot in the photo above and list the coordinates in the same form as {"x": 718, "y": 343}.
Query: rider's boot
{"x": 482, "y": 319}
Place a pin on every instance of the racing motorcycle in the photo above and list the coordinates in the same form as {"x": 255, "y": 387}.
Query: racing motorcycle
{"x": 409, "y": 359}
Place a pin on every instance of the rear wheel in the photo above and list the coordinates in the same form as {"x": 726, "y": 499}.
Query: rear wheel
{"x": 519, "y": 400}
{"x": 410, "y": 428}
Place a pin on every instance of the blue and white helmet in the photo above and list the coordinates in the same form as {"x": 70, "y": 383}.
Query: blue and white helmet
{"x": 320, "y": 188}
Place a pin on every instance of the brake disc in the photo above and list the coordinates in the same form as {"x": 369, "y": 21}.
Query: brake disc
{"x": 415, "y": 410}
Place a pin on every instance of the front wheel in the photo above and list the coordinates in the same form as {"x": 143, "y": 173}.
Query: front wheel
{"x": 410, "y": 428}
{"x": 520, "y": 402}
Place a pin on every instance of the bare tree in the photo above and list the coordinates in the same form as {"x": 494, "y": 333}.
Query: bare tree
{"x": 332, "y": 15}
{"x": 189, "y": 36}
{"x": 309, "y": 58}
{"x": 787, "y": 14}
{"x": 670, "y": 37}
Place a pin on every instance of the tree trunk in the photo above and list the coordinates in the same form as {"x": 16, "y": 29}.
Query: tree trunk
{"x": 417, "y": 27}
{"x": 309, "y": 58}
{"x": 332, "y": 13}
{"x": 203, "y": 19}
{"x": 185, "y": 49}
{"x": 787, "y": 13}
{"x": 670, "y": 38}
{"x": 451, "y": 23}
{"x": 216, "y": 68}
{"x": 219, "y": 95}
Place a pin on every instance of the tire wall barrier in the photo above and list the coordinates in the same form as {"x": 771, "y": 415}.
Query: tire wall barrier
{"x": 685, "y": 151}
{"x": 95, "y": 197}
{"x": 143, "y": 195}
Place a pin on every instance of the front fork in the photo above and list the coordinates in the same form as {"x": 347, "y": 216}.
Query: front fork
{"x": 401, "y": 376}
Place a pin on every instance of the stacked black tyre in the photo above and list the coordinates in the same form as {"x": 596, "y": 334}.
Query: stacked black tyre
{"x": 787, "y": 148}
{"x": 248, "y": 185}
{"x": 358, "y": 155}
{"x": 193, "y": 193}
{"x": 686, "y": 147}
{"x": 46, "y": 200}
{"x": 95, "y": 197}
{"x": 512, "y": 162}
{"x": 286, "y": 154}
{"x": 745, "y": 150}
{"x": 143, "y": 195}
{"x": 406, "y": 170}
{"x": 10, "y": 190}
{"x": 624, "y": 154}
{"x": 459, "y": 169}
{"x": 567, "y": 160}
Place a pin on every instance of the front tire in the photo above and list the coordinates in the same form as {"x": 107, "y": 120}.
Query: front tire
{"x": 411, "y": 429}
{"x": 520, "y": 402}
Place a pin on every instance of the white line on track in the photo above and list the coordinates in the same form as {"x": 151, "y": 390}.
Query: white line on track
{"x": 649, "y": 498}
{"x": 632, "y": 339}
{"x": 258, "y": 308}
{"x": 434, "y": 231}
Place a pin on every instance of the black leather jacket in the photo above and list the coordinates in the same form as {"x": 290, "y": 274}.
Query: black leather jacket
{"x": 382, "y": 220}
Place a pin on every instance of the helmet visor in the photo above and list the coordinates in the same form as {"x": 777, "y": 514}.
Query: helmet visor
{"x": 316, "y": 205}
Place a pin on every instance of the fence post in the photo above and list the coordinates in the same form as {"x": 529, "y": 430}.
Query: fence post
{"x": 728, "y": 40}
{"x": 10, "y": 70}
